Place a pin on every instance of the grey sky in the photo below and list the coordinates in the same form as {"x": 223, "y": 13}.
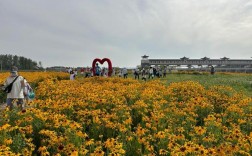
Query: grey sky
{"x": 73, "y": 33}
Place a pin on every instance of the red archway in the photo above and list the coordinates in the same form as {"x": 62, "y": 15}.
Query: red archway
{"x": 110, "y": 70}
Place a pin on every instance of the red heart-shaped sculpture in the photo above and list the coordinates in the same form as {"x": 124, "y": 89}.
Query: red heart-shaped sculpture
{"x": 101, "y": 62}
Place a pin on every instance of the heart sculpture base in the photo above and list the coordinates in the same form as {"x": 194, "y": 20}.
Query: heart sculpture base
{"x": 101, "y": 62}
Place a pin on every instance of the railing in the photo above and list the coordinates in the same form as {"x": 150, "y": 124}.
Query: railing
{"x": 197, "y": 62}
{"x": 245, "y": 70}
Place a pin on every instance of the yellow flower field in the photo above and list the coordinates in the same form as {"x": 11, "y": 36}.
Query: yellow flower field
{"x": 113, "y": 116}
{"x": 34, "y": 77}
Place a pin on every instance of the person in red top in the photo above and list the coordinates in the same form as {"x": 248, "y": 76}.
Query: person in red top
{"x": 82, "y": 71}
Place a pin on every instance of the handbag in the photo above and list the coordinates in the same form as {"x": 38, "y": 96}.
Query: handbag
{"x": 9, "y": 87}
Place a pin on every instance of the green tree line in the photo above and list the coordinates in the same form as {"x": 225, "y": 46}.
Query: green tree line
{"x": 6, "y": 61}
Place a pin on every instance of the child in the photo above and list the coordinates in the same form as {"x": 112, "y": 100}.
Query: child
{"x": 27, "y": 90}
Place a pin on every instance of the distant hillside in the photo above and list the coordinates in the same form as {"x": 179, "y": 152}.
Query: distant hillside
{"x": 6, "y": 61}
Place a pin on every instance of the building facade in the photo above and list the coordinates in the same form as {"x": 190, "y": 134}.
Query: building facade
{"x": 222, "y": 64}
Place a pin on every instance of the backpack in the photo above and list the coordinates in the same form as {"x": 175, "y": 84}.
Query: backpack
{"x": 8, "y": 88}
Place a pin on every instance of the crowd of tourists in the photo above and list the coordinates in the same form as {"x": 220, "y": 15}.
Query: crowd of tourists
{"x": 143, "y": 73}
{"x": 151, "y": 72}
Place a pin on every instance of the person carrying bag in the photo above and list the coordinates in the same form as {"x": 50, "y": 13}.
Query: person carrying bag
{"x": 28, "y": 92}
{"x": 14, "y": 89}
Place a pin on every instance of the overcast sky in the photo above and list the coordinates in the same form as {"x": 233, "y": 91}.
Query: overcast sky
{"x": 73, "y": 33}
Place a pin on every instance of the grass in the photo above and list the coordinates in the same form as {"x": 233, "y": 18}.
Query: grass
{"x": 239, "y": 82}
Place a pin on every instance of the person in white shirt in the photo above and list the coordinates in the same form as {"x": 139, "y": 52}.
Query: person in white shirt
{"x": 120, "y": 73}
{"x": 17, "y": 93}
{"x": 125, "y": 73}
{"x": 151, "y": 73}
{"x": 72, "y": 75}
{"x": 75, "y": 72}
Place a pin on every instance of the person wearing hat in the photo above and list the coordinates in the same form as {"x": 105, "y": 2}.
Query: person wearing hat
{"x": 16, "y": 94}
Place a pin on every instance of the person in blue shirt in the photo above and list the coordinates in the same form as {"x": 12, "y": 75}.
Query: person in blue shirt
{"x": 97, "y": 70}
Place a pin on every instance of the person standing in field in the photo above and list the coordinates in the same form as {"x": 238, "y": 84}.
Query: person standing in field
{"x": 91, "y": 72}
{"x": 154, "y": 71}
{"x": 105, "y": 72}
{"x": 17, "y": 91}
{"x": 212, "y": 71}
{"x": 142, "y": 71}
{"x": 120, "y": 73}
{"x": 125, "y": 73}
{"x": 75, "y": 72}
{"x": 97, "y": 70}
{"x": 136, "y": 73}
{"x": 27, "y": 90}
{"x": 144, "y": 76}
{"x": 164, "y": 71}
{"x": 72, "y": 75}
{"x": 158, "y": 72}
{"x": 151, "y": 74}
{"x": 113, "y": 72}
{"x": 82, "y": 71}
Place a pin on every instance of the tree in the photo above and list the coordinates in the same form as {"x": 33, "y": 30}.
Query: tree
{"x": 9, "y": 61}
{"x": 21, "y": 62}
{"x": 15, "y": 61}
{"x": 40, "y": 65}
